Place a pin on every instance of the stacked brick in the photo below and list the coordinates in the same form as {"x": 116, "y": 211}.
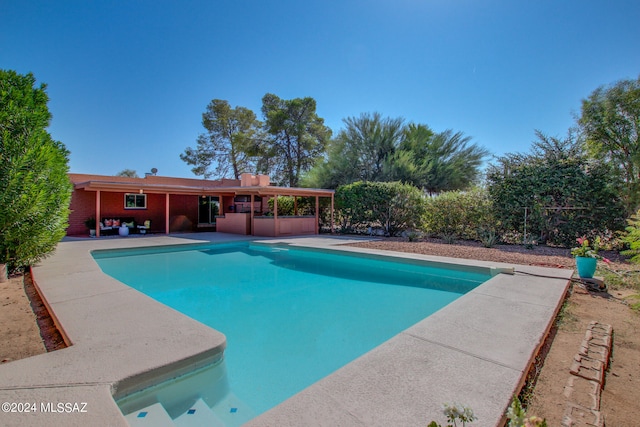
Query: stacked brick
{"x": 584, "y": 386}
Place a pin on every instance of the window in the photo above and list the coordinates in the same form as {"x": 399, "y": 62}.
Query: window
{"x": 135, "y": 201}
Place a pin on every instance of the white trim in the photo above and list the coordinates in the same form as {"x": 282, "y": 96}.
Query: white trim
{"x": 135, "y": 195}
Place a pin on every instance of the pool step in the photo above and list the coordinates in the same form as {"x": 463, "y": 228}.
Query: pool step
{"x": 232, "y": 411}
{"x": 151, "y": 416}
{"x": 199, "y": 415}
{"x": 228, "y": 412}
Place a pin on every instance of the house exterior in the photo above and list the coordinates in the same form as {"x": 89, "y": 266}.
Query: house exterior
{"x": 247, "y": 206}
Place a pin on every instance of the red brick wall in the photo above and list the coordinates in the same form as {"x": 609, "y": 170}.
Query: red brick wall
{"x": 112, "y": 206}
{"x": 155, "y": 212}
{"x": 183, "y": 213}
{"x": 83, "y": 206}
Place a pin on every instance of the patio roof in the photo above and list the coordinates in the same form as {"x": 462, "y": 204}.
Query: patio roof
{"x": 249, "y": 185}
{"x": 140, "y": 185}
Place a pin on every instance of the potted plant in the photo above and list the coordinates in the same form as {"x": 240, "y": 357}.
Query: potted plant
{"x": 91, "y": 225}
{"x": 587, "y": 257}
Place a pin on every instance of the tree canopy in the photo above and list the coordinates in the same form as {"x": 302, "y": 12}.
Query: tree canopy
{"x": 129, "y": 173}
{"x": 228, "y": 146}
{"x": 294, "y": 147}
{"x": 359, "y": 152}
{"x": 36, "y": 191}
{"x": 295, "y": 138}
{"x": 437, "y": 162}
{"x": 610, "y": 121}
{"x": 373, "y": 148}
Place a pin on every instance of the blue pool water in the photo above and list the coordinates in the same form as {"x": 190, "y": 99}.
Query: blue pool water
{"x": 291, "y": 316}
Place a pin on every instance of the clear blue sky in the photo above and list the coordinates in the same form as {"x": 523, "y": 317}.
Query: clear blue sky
{"x": 129, "y": 80}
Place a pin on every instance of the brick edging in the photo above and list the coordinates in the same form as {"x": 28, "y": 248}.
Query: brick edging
{"x": 586, "y": 380}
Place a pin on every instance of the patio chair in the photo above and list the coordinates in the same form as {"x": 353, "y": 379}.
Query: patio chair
{"x": 142, "y": 229}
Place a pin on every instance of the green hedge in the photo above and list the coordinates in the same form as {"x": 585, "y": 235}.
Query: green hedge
{"x": 459, "y": 215}
{"x": 393, "y": 206}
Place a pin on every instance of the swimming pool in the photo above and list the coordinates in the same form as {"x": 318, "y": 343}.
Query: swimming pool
{"x": 291, "y": 316}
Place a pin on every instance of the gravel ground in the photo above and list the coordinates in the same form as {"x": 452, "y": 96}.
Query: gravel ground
{"x": 544, "y": 256}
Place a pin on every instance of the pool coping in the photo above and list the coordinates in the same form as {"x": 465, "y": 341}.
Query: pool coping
{"x": 475, "y": 351}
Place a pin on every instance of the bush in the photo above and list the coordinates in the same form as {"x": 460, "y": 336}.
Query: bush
{"x": 34, "y": 201}
{"x": 631, "y": 238}
{"x": 562, "y": 192}
{"x": 488, "y": 238}
{"x": 460, "y": 214}
{"x": 391, "y": 205}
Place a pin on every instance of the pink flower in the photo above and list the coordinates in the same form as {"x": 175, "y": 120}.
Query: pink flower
{"x": 580, "y": 240}
{"x": 608, "y": 261}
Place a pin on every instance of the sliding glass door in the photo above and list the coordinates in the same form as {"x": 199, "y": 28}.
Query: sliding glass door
{"x": 208, "y": 209}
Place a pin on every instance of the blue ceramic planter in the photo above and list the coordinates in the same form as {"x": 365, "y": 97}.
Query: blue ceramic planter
{"x": 586, "y": 266}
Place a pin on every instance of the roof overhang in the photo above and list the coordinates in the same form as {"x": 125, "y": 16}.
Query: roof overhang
{"x": 126, "y": 187}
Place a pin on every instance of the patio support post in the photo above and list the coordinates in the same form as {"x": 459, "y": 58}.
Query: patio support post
{"x": 332, "y": 213}
{"x": 251, "y": 217}
{"x": 98, "y": 218}
{"x": 317, "y": 214}
{"x": 166, "y": 213}
{"x": 295, "y": 205}
{"x": 276, "y": 229}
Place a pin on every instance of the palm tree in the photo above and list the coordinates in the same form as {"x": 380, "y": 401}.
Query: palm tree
{"x": 360, "y": 152}
{"x": 438, "y": 162}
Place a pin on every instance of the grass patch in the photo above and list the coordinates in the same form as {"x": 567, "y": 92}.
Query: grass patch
{"x": 620, "y": 279}
{"x": 634, "y": 302}
{"x": 623, "y": 279}
{"x": 566, "y": 319}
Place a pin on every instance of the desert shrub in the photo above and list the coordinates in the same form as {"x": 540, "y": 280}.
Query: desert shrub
{"x": 460, "y": 214}
{"x": 512, "y": 237}
{"x": 564, "y": 193}
{"x": 413, "y": 235}
{"x": 631, "y": 238}
{"x": 488, "y": 237}
{"x": 454, "y": 413}
{"x": 391, "y": 205}
{"x": 518, "y": 417}
{"x": 35, "y": 189}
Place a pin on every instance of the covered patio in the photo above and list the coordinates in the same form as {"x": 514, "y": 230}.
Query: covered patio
{"x": 253, "y": 219}
{"x": 249, "y": 206}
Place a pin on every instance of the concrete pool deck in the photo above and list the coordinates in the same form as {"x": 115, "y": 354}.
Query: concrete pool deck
{"x": 476, "y": 351}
